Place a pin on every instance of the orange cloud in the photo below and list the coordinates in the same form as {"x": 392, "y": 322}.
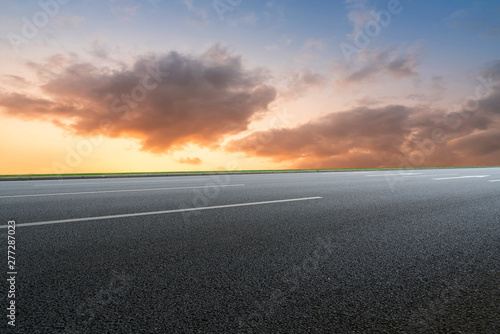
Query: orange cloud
{"x": 190, "y": 161}
{"x": 388, "y": 136}
{"x": 165, "y": 101}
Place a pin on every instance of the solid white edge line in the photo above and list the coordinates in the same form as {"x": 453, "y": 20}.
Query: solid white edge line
{"x": 461, "y": 177}
{"x": 399, "y": 174}
{"x": 127, "y": 215}
{"x": 108, "y": 183}
{"x": 428, "y": 175}
{"x": 354, "y": 171}
{"x": 120, "y": 191}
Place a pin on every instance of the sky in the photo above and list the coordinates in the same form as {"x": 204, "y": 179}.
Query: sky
{"x": 185, "y": 85}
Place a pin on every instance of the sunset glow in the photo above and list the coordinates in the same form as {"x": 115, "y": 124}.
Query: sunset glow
{"x": 184, "y": 85}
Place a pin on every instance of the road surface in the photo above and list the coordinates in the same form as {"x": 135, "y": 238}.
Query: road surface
{"x": 343, "y": 252}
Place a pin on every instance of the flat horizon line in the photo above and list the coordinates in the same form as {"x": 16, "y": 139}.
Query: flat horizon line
{"x": 14, "y": 177}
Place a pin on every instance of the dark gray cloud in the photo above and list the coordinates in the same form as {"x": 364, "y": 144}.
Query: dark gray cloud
{"x": 362, "y": 132}
{"x": 372, "y": 64}
{"x": 165, "y": 101}
{"x": 383, "y": 136}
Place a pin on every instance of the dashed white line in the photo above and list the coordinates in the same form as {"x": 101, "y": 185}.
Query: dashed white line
{"x": 461, "y": 177}
{"x": 120, "y": 191}
{"x": 494, "y": 181}
{"x": 74, "y": 220}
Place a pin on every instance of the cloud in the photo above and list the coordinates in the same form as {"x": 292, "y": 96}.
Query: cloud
{"x": 188, "y": 4}
{"x": 360, "y": 130}
{"x": 124, "y": 10}
{"x": 309, "y": 51}
{"x": 15, "y": 80}
{"x": 100, "y": 48}
{"x": 281, "y": 42}
{"x": 164, "y": 101}
{"x": 46, "y": 70}
{"x": 395, "y": 62}
{"x": 313, "y": 44}
{"x": 368, "y": 101}
{"x": 68, "y": 21}
{"x": 190, "y": 161}
{"x": 276, "y": 11}
{"x": 248, "y": 19}
{"x": 273, "y": 47}
{"x": 383, "y": 136}
{"x": 436, "y": 89}
{"x": 358, "y": 12}
{"x": 197, "y": 15}
{"x": 477, "y": 19}
{"x": 300, "y": 82}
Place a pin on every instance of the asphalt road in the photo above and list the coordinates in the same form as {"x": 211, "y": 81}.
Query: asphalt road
{"x": 355, "y": 252}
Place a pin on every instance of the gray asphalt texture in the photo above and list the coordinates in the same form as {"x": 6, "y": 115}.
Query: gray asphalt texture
{"x": 380, "y": 252}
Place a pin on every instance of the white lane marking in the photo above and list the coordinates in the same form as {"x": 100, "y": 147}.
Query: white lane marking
{"x": 109, "y": 183}
{"x": 399, "y": 174}
{"x": 494, "y": 181}
{"x": 424, "y": 175}
{"x": 127, "y": 215}
{"x": 354, "y": 172}
{"x": 121, "y": 191}
{"x": 461, "y": 177}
